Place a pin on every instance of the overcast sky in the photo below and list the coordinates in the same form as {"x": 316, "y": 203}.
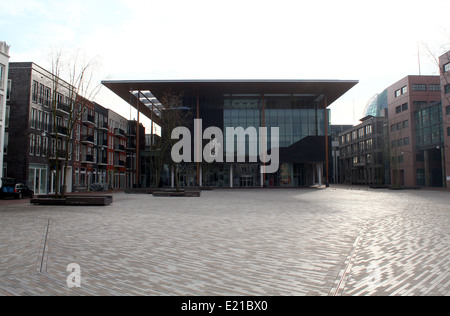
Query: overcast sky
{"x": 376, "y": 42}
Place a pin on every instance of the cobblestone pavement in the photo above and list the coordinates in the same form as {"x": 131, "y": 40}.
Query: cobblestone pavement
{"x": 338, "y": 241}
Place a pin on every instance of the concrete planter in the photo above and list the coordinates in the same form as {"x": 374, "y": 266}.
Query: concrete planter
{"x": 73, "y": 200}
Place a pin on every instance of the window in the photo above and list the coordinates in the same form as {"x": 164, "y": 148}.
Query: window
{"x": 404, "y": 89}
{"x": 8, "y": 90}
{"x": 44, "y": 146}
{"x": 434, "y": 87}
{"x": 419, "y": 104}
{"x": 447, "y": 110}
{"x": 48, "y": 96}
{"x": 7, "y": 113}
{"x": 34, "y": 92}
{"x": 419, "y": 87}
{"x": 33, "y": 118}
{"x": 401, "y": 159}
{"x": 38, "y": 145}
{"x": 398, "y": 93}
{"x": 32, "y": 143}
{"x": 2, "y": 77}
{"x": 5, "y": 143}
{"x": 447, "y": 67}
{"x": 398, "y": 109}
{"x": 393, "y": 127}
{"x": 406, "y": 141}
{"x": 41, "y": 94}
{"x": 404, "y": 107}
{"x": 447, "y": 89}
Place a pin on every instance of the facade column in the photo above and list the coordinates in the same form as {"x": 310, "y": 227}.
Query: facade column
{"x": 172, "y": 177}
{"x": 319, "y": 173}
{"x": 261, "y": 176}
{"x": 231, "y": 176}
{"x": 444, "y": 173}
{"x": 427, "y": 168}
{"x": 313, "y": 174}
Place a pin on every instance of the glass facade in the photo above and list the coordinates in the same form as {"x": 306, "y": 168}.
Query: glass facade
{"x": 377, "y": 104}
{"x": 429, "y": 128}
{"x": 295, "y": 117}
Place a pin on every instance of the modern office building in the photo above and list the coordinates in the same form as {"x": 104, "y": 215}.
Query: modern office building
{"x": 337, "y": 170}
{"x": 416, "y": 132}
{"x": 4, "y": 96}
{"x": 444, "y": 66}
{"x": 363, "y": 152}
{"x": 298, "y": 108}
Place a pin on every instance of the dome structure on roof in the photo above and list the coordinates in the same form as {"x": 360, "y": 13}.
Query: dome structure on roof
{"x": 375, "y": 105}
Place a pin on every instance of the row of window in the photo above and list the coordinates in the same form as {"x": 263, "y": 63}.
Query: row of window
{"x": 401, "y": 142}
{"x": 363, "y": 146}
{"x": 418, "y": 87}
{"x": 358, "y": 134}
{"x": 423, "y": 87}
{"x": 401, "y": 91}
{"x": 399, "y": 126}
{"x": 401, "y": 108}
{"x": 398, "y": 159}
{"x": 39, "y": 146}
{"x": 369, "y": 159}
{"x": 42, "y": 94}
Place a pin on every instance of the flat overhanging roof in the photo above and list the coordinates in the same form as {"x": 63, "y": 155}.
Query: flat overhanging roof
{"x": 144, "y": 94}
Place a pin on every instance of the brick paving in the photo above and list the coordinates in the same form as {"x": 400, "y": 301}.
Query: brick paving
{"x": 338, "y": 241}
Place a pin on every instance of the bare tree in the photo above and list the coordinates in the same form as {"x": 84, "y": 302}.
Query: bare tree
{"x": 68, "y": 104}
{"x": 173, "y": 115}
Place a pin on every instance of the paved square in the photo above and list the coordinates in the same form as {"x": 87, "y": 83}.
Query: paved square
{"x": 338, "y": 241}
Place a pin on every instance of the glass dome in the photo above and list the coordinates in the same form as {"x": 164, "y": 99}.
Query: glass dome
{"x": 375, "y": 105}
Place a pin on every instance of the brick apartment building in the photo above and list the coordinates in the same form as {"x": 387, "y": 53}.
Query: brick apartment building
{"x": 97, "y": 149}
{"x": 38, "y": 136}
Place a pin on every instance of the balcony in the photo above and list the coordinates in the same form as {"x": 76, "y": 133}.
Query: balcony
{"x": 120, "y": 148}
{"x": 87, "y": 139}
{"x": 60, "y": 130}
{"x": 119, "y": 132}
{"x": 63, "y": 108}
{"x": 102, "y": 161}
{"x": 102, "y": 125}
{"x": 87, "y": 159}
{"x": 88, "y": 119}
{"x": 119, "y": 163}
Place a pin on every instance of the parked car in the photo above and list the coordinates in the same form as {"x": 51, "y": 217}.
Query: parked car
{"x": 16, "y": 190}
